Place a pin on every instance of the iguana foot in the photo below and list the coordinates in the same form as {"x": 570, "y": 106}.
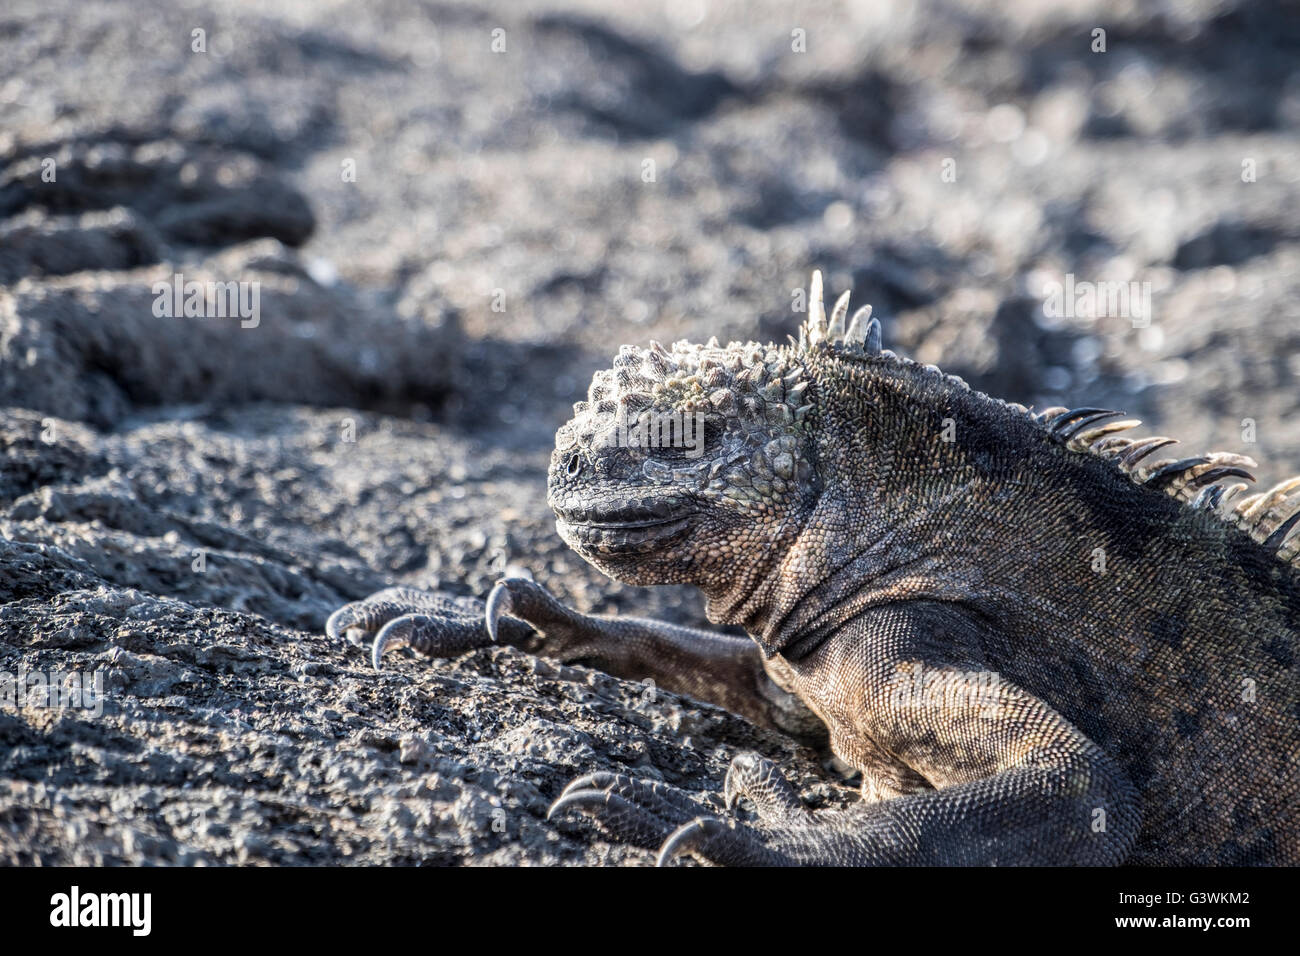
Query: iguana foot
{"x": 518, "y": 611}
{"x": 641, "y": 812}
{"x": 655, "y": 816}
{"x": 435, "y": 625}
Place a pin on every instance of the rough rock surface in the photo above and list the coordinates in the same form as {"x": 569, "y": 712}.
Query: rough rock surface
{"x": 447, "y": 240}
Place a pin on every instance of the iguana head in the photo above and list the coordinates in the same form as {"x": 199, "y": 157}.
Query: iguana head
{"x": 683, "y": 459}
{"x": 683, "y": 463}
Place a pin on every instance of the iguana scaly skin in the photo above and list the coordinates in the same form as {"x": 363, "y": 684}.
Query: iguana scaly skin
{"x": 1036, "y": 642}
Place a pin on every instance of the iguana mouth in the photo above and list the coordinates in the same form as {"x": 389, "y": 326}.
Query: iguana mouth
{"x": 627, "y": 516}
{"x": 633, "y": 526}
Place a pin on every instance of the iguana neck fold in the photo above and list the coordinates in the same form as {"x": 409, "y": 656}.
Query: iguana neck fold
{"x": 867, "y": 538}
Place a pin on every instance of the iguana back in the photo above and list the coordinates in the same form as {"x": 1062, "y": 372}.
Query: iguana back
{"x": 1153, "y": 608}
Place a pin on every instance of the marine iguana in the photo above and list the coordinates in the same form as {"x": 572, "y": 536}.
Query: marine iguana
{"x": 1038, "y": 644}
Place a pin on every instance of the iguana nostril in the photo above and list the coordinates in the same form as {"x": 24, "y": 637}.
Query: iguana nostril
{"x": 573, "y": 465}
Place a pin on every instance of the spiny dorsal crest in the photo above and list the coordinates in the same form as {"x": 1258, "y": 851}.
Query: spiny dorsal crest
{"x": 861, "y": 334}
{"x": 1271, "y": 518}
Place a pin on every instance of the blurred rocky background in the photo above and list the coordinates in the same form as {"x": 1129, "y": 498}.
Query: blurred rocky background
{"x": 453, "y": 214}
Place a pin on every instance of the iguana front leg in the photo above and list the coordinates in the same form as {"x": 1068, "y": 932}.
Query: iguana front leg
{"x": 1013, "y": 782}
{"x": 715, "y": 668}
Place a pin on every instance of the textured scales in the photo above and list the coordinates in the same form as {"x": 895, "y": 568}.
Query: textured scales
{"x": 1039, "y": 640}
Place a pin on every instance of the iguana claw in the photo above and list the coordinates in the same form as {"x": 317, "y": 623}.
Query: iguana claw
{"x": 687, "y": 837}
{"x": 394, "y": 634}
{"x": 342, "y": 625}
{"x": 577, "y": 798}
{"x": 499, "y": 602}
{"x": 731, "y": 792}
{"x": 599, "y": 780}
{"x": 581, "y": 789}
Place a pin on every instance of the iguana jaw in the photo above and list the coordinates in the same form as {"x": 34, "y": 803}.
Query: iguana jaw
{"x": 625, "y": 527}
